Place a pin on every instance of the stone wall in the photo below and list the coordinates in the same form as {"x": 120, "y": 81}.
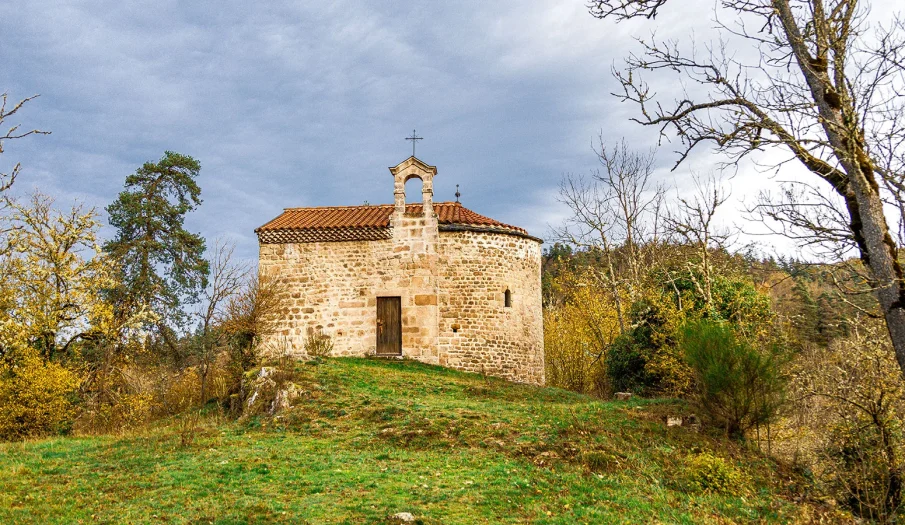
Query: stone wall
{"x": 332, "y": 287}
{"x": 478, "y": 332}
{"x": 451, "y": 284}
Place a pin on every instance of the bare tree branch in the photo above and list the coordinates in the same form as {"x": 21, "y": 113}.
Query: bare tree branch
{"x": 7, "y": 179}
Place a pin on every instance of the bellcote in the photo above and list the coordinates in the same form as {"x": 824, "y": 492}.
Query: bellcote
{"x": 411, "y": 168}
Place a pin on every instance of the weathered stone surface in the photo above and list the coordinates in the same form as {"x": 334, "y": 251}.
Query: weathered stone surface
{"x": 264, "y": 395}
{"x": 403, "y": 517}
{"x": 623, "y": 396}
{"x": 452, "y": 286}
{"x": 425, "y": 300}
{"x": 260, "y": 391}
{"x": 284, "y": 398}
{"x": 692, "y": 423}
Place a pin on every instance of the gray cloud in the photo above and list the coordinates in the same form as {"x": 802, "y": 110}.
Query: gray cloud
{"x": 293, "y": 104}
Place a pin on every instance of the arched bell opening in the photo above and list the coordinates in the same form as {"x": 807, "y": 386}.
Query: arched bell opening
{"x": 414, "y": 188}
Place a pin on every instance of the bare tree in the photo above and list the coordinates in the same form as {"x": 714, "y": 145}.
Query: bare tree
{"x": 8, "y": 178}
{"x": 251, "y": 315}
{"x": 617, "y": 211}
{"x": 692, "y": 222}
{"x": 822, "y": 88}
{"x": 225, "y": 282}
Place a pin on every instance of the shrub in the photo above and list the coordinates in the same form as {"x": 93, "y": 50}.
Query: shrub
{"x": 318, "y": 345}
{"x": 250, "y": 315}
{"x": 626, "y": 366}
{"x": 118, "y": 394}
{"x": 36, "y": 396}
{"x": 103, "y": 414}
{"x": 187, "y": 427}
{"x": 866, "y": 476}
{"x": 736, "y": 385}
{"x": 708, "y": 473}
{"x": 852, "y": 393}
{"x": 734, "y": 298}
{"x": 179, "y": 391}
{"x": 571, "y": 358}
{"x": 643, "y": 360}
{"x": 600, "y": 461}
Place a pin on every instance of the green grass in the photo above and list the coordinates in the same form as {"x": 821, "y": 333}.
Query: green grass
{"x": 371, "y": 438}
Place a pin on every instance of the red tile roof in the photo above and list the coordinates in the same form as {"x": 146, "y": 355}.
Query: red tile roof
{"x": 354, "y": 223}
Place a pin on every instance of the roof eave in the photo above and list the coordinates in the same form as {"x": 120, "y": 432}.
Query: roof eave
{"x": 488, "y": 229}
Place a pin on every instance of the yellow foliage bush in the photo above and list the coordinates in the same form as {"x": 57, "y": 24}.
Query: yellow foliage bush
{"x": 674, "y": 373}
{"x": 848, "y": 421}
{"x": 222, "y": 379}
{"x": 181, "y": 391}
{"x": 36, "y": 396}
{"x": 131, "y": 396}
{"x": 705, "y": 472}
{"x": 664, "y": 360}
{"x": 124, "y": 412}
{"x": 576, "y": 336}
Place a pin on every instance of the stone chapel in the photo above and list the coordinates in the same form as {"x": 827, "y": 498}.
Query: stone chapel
{"x": 435, "y": 282}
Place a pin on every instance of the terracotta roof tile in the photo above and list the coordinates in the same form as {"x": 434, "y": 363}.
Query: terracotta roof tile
{"x": 348, "y": 223}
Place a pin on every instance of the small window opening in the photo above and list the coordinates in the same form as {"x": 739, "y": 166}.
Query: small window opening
{"x": 507, "y": 298}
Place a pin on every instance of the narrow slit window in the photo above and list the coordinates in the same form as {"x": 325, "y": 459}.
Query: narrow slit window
{"x": 507, "y": 298}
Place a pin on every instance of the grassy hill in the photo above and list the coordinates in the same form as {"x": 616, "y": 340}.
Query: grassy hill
{"x": 372, "y": 438}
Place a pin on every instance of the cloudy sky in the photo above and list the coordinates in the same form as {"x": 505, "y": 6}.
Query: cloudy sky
{"x": 290, "y": 103}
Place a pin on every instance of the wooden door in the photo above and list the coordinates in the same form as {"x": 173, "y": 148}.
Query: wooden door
{"x": 389, "y": 326}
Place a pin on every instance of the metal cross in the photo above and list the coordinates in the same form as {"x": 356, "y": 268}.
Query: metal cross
{"x": 457, "y": 193}
{"x": 413, "y": 138}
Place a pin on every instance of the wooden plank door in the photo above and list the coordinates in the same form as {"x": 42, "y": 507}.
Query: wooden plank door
{"x": 389, "y": 326}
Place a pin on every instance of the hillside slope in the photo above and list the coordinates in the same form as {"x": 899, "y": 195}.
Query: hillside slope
{"x": 372, "y": 438}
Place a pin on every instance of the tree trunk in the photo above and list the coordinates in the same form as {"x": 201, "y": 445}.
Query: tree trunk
{"x": 879, "y": 253}
{"x": 617, "y": 299}
{"x": 858, "y": 184}
{"x": 203, "y": 385}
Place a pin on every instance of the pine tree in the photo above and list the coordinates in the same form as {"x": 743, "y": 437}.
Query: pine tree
{"x": 163, "y": 265}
